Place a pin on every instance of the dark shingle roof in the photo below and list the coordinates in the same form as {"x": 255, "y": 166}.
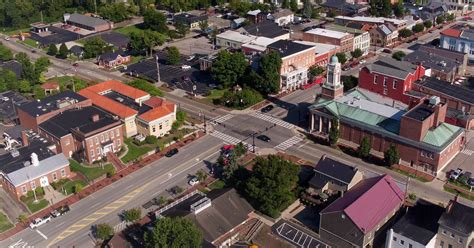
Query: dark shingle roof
{"x": 189, "y": 18}
{"x": 117, "y": 39}
{"x": 458, "y": 217}
{"x": 288, "y": 47}
{"x": 13, "y": 66}
{"x": 78, "y": 119}
{"x": 336, "y": 169}
{"x": 433, "y": 57}
{"x": 392, "y": 67}
{"x": 444, "y": 87}
{"x": 265, "y": 28}
{"x": 9, "y": 163}
{"x": 420, "y": 223}
{"x": 86, "y": 20}
{"x": 49, "y": 104}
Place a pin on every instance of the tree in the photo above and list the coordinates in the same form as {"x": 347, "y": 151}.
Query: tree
{"x": 285, "y": 4}
{"x": 428, "y": 24}
{"x": 364, "y": 148}
{"x": 173, "y": 55}
{"x": 132, "y": 214}
{"x": 173, "y": 232}
{"x": 334, "y": 131}
{"x": 145, "y": 86}
{"x": 94, "y": 47}
{"x": 52, "y": 50}
{"x": 24, "y": 86}
{"x": 229, "y": 166}
{"x": 240, "y": 149}
{"x": 240, "y": 99}
{"x": 155, "y": 21}
{"x": 341, "y": 57}
{"x": 307, "y": 9}
{"x": 404, "y": 33}
{"x": 357, "y": 53}
{"x": 398, "y": 55}
{"x": 391, "y": 155}
{"x": 63, "y": 51}
{"x": 440, "y": 20}
{"x": 38, "y": 92}
{"x": 77, "y": 188}
{"x": 293, "y": 5}
{"x": 270, "y": 186}
{"x": 116, "y": 12}
{"x": 143, "y": 42}
{"x": 316, "y": 70}
{"x": 398, "y": 9}
{"x": 450, "y": 17}
{"x": 104, "y": 231}
{"x": 22, "y": 218}
{"x": 228, "y": 68}
{"x": 349, "y": 82}
{"x": 201, "y": 175}
{"x": 418, "y": 28}
{"x": 203, "y": 26}
{"x": 5, "y": 53}
{"x": 181, "y": 28}
{"x": 269, "y": 71}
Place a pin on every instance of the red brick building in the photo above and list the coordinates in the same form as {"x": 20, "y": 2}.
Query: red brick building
{"x": 392, "y": 78}
{"x": 36, "y": 112}
{"x": 326, "y": 36}
{"x": 89, "y": 133}
{"x": 424, "y": 141}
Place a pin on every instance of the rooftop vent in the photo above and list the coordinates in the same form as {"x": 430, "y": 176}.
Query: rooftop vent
{"x": 434, "y": 100}
{"x": 34, "y": 159}
{"x": 200, "y": 205}
{"x": 26, "y": 163}
{"x": 119, "y": 99}
{"x": 15, "y": 153}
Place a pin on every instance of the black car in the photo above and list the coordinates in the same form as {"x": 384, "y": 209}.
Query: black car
{"x": 267, "y": 109}
{"x": 171, "y": 152}
{"x": 264, "y": 138}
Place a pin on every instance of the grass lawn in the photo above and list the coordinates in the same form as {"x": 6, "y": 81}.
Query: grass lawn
{"x": 36, "y": 206}
{"x": 65, "y": 82}
{"x": 134, "y": 151}
{"x": 450, "y": 190}
{"x": 215, "y": 94}
{"x": 17, "y": 31}
{"x": 219, "y": 184}
{"x": 135, "y": 59}
{"x": 69, "y": 186}
{"x": 5, "y": 224}
{"x": 30, "y": 42}
{"x": 421, "y": 179}
{"x": 91, "y": 172}
{"x": 127, "y": 30}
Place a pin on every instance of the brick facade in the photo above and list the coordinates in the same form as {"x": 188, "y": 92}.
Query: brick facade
{"x": 346, "y": 43}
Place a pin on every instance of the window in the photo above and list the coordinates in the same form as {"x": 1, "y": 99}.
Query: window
{"x": 106, "y": 136}
{"x": 450, "y": 246}
{"x": 375, "y": 79}
{"x": 402, "y": 242}
{"x": 111, "y": 134}
{"x": 101, "y": 138}
{"x": 154, "y": 129}
{"x": 118, "y": 143}
{"x": 63, "y": 173}
{"x": 96, "y": 140}
{"x": 395, "y": 84}
{"x": 67, "y": 142}
{"x": 98, "y": 151}
{"x": 460, "y": 240}
{"x": 92, "y": 153}
{"x": 452, "y": 235}
{"x": 33, "y": 185}
{"x": 23, "y": 189}
{"x": 441, "y": 244}
{"x": 394, "y": 238}
{"x": 410, "y": 246}
{"x": 117, "y": 132}
{"x": 91, "y": 144}
{"x": 444, "y": 232}
{"x": 384, "y": 81}
{"x": 385, "y": 91}
{"x": 55, "y": 177}
{"x": 161, "y": 126}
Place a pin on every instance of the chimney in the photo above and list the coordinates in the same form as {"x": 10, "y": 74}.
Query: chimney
{"x": 24, "y": 138}
{"x": 95, "y": 118}
{"x": 323, "y": 157}
{"x": 451, "y": 203}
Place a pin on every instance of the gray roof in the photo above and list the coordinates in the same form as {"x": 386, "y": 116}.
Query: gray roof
{"x": 282, "y": 13}
{"x": 458, "y": 217}
{"x": 392, "y": 67}
{"x": 86, "y": 20}
{"x": 468, "y": 34}
{"x": 458, "y": 92}
{"x": 335, "y": 169}
{"x": 384, "y": 29}
{"x": 432, "y": 60}
{"x": 45, "y": 166}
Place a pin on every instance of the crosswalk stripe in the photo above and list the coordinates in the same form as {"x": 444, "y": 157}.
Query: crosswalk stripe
{"x": 229, "y": 139}
{"x": 288, "y": 143}
{"x": 220, "y": 119}
{"x": 467, "y": 152}
{"x": 272, "y": 120}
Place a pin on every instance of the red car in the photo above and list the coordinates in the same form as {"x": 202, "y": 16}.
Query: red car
{"x": 467, "y": 18}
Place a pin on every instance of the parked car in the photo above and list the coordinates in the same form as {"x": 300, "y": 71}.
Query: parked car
{"x": 171, "y": 153}
{"x": 185, "y": 67}
{"x": 263, "y": 138}
{"x": 464, "y": 178}
{"x": 386, "y": 50}
{"x": 75, "y": 64}
{"x": 60, "y": 211}
{"x": 40, "y": 221}
{"x": 346, "y": 68}
{"x": 5, "y": 99}
{"x": 267, "y": 109}
{"x": 454, "y": 175}
{"x": 362, "y": 61}
{"x": 470, "y": 182}
{"x": 7, "y": 38}
{"x": 193, "y": 181}
{"x": 467, "y": 18}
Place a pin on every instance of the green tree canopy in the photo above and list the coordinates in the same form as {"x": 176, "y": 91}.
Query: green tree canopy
{"x": 271, "y": 184}
{"x": 418, "y": 28}
{"x": 428, "y": 24}
{"x": 173, "y": 55}
{"x": 342, "y": 58}
{"x": 404, "y": 33}
{"x": 228, "y": 68}
{"x": 334, "y": 131}
{"x": 143, "y": 41}
{"x": 95, "y": 46}
{"x": 173, "y": 233}
{"x": 364, "y": 147}
{"x": 307, "y": 9}
{"x": 145, "y": 86}
{"x": 399, "y": 9}
{"x": 181, "y": 28}
{"x": 241, "y": 99}
{"x": 285, "y": 4}
{"x": 5, "y": 53}
{"x": 132, "y": 214}
{"x": 63, "y": 51}
{"x": 398, "y": 55}
{"x": 155, "y": 20}
{"x": 293, "y": 5}
{"x": 117, "y": 12}
{"x": 357, "y": 53}
{"x": 268, "y": 80}
{"x": 52, "y": 50}
{"x": 440, "y": 19}
{"x": 316, "y": 70}
{"x": 391, "y": 155}
{"x": 104, "y": 231}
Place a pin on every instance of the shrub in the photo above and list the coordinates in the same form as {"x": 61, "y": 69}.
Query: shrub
{"x": 132, "y": 215}
{"x": 104, "y": 231}
{"x": 150, "y": 139}
{"x": 77, "y": 188}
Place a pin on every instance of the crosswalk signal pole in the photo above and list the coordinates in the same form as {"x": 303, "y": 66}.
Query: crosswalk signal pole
{"x": 253, "y": 143}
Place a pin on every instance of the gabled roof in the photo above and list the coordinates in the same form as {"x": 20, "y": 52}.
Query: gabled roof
{"x": 335, "y": 169}
{"x": 265, "y": 28}
{"x": 455, "y": 91}
{"x": 458, "y": 217}
{"x": 287, "y": 47}
{"x": 158, "y": 110}
{"x": 392, "y": 67}
{"x": 452, "y": 32}
{"x": 441, "y": 135}
{"x": 86, "y": 20}
{"x": 369, "y": 202}
{"x": 118, "y": 87}
{"x": 50, "y": 86}
{"x": 108, "y": 104}
{"x": 110, "y": 56}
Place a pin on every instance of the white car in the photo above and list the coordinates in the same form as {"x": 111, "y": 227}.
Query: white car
{"x": 5, "y": 99}
{"x": 7, "y": 38}
{"x": 40, "y": 221}
{"x": 193, "y": 181}
{"x": 190, "y": 58}
{"x": 362, "y": 61}
{"x": 454, "y": 175}
{"x": 185, "y": 67}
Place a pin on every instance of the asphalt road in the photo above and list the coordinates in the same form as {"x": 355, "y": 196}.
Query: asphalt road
{"x": 73, "y": 229}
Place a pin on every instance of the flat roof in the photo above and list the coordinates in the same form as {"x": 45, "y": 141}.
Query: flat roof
{"x": 236, "y": 36}
{"x": 289, "y": 47}
{"x": 455, "y": 91}
{"x": 379, "y": 20}
{"x": 420, "y": 112}
{"x": 327, "y": 33}
{"x": 341, "y": 28}
{"x": 51, "y": 103}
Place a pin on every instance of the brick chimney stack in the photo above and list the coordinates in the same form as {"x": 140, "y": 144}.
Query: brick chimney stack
{"x": 95, "y": 118}
{"x": 24, "y": 138}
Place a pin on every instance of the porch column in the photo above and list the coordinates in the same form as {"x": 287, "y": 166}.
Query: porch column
{"x": 311, "y": 128}
{"x": 320, "y": 124}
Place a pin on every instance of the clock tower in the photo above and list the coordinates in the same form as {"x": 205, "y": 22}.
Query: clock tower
{"x": 333, "y": 88}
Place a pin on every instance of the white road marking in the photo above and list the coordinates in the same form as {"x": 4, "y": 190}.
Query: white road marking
{"x": 220, "y": 119}
{"x": 467, "y": 152}
{"x": 40, "y": 233}
{"x": 230, "y": 139}
{"x": 273, "y": 120}
{"x": 288, "y": 143}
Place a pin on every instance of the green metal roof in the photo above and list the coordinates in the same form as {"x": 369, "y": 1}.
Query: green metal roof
{"x": 441, "y": 134}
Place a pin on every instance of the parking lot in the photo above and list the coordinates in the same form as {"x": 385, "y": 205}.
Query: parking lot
{"x": 57, "y": 36}
{"x": 296, "y": 236}
{"x": 463, "y": 160}
{"x": 173, "y": 75}
{"x": 191, "y": 45}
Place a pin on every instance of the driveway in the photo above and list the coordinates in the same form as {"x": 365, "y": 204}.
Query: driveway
{"x": 297, "y": 236}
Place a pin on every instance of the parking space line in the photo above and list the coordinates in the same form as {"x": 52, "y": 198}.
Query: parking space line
{"x": 40, "y": 233}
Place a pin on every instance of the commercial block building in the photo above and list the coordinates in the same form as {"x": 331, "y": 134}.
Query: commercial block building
{"x": 89, "y": 133}
{"x": 399, "y": 24}
{"x": 383, "y": 35}
{"x": 425, "y": 142}
{"x": 88, "y": 22}
{"x": 296, "y": 60}
{"x": 36, "y": 112}
{"x": 266, "y": 28}
{"x": 233, "y": 39}
{"x": 342, "y": 39}
{"x": 361, "y": 38}
{"x": 456, "y": 226}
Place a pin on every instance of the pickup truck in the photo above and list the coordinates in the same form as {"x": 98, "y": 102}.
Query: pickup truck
{"x": 40, "y": 221}
{"x": 60, "y": 211}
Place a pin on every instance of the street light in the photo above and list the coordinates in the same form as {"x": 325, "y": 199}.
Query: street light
{"x": 158, "y": 69}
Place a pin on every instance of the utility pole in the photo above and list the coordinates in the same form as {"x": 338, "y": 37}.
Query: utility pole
{"x": 205, "y": 126}
{"x": 253, "y": 142}
{"x": 158, "y": 69}
{"x": 95, "y": 7}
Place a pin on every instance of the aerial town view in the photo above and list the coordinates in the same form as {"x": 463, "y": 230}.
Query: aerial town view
{"x": 237, "y": 123}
